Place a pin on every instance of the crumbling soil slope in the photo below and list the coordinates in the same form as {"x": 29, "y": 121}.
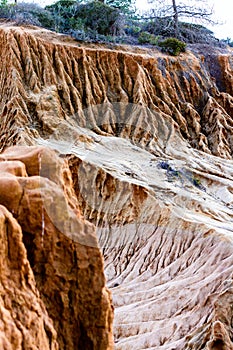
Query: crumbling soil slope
{"x": 148, "y": 142}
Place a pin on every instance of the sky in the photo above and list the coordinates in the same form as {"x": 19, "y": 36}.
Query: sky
{"x": 223, "y": 12}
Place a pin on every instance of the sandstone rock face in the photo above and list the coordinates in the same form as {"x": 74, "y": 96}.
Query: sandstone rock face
{"x": 147, "y": 139}
{"x": 53, "y": 287}
{"x": 167, "y": 243}
{"x": 25, "y": 323}
{"x": 53, "y": 79}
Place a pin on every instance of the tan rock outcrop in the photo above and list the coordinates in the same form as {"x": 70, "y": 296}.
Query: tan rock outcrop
{"x": 25, "y": 323}
{"x": 54, "y": 290}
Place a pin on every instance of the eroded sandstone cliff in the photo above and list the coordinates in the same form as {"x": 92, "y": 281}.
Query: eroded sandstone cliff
{"x": 53, "y": 293}
{"x": 148, "y": 141}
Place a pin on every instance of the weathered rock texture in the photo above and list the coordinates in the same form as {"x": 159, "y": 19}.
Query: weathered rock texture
{"x": 148, "y": 139}
{"x": 25, "y": 323}
{"x": 53, "y": 293}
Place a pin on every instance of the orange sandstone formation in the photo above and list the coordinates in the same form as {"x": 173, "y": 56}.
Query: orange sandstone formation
{"x": 53, "y": 287}
{"x": 54, "y": 79}
{"x": 147, "y": 140}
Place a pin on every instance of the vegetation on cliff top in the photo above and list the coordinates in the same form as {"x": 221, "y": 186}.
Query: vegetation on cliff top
{"x": 111, "y": 21}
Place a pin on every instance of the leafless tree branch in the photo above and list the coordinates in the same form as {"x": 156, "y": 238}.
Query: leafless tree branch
{"x": 177, "y": 10}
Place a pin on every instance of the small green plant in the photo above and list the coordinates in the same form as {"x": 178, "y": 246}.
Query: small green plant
{"x": 144, "y": 37}
{"x": 180, "y": 175}
{"x": 135, "y": 29}
{"x": 147, "y": 38}
{"x": 196, "y": 181}
{"x": 172, "y": 174}
{"x": 154, "y": 40}
{"x": 173, "y": 46}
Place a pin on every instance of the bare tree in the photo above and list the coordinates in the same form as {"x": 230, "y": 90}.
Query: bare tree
{"x": 175, "y": 17}
{"x": 198, "y": 10}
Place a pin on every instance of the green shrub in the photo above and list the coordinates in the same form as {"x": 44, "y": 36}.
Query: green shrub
{"x": 64, "y": 15}
{"x": 126, "y": 7}
{"x": 134, "y": 30}
{"x": 95, "y": 16}
{"x": 100, "y": 17}
{"x": 154, "y": 40}
{"x": 27, "y": 13}
{"x": 4, "y": 12}
{"x": 173, "y": 46}
{"x": 144, "y": 37}
{"x": 45, "y": 18}
{"x": 196, "y": 181}
{"x": 3, "y": 3}
{"x": 147, "y": 38}
{"x": 77, "y": 23}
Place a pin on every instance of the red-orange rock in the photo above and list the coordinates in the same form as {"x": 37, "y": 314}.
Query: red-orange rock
{"x": 25, "y": 323}
{"x": 61, "y": 255}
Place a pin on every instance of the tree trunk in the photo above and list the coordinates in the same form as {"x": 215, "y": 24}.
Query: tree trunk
{"x": 175, "y": 18}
